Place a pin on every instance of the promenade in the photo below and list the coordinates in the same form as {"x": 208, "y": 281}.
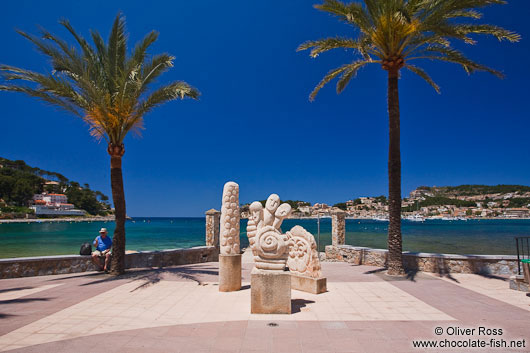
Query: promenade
{"x": 179, "y": 309}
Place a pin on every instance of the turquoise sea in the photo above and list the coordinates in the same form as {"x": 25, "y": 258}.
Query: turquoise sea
{"x": 454, "y": 237}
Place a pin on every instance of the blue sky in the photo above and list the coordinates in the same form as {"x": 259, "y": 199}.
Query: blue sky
{"x": 254, "y": 123}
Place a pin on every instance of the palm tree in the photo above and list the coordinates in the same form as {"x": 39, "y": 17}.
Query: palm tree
{"x": 393, "y": 34}
{"x": 105, "y": 86}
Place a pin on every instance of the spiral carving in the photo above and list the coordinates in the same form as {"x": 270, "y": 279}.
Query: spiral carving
{"x": 272, "y": 249}
{"x": 303, "y": 255}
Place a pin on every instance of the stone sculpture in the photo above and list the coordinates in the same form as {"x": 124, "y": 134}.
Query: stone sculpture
{"x": 272, "y": 204}
{"x": 303, "y": 256}
{"x": 256, "y": 216}
{"x": 229, "y": 234}
{"x": 269, "y": 246}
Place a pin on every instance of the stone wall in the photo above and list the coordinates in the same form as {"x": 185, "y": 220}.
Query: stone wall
{"x": 53, "y": 265}
{"x": 437, "y": 263}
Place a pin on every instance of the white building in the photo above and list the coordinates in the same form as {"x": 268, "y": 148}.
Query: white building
{"x": 54, "y": 205}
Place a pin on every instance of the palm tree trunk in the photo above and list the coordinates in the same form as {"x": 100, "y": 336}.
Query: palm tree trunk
{"x": 118, "y": 197}
{"x": 395, "y": 261}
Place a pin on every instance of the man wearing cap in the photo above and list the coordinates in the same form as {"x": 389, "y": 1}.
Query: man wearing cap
{"x": 103, "y": 245}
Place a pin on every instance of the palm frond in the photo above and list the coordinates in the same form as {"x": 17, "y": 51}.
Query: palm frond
{"x": 323, "y": 45}
{"x": 352, "y": 13}
{"x": 175, "y": 90}
{"x": 350, "y": 72}
{"x": 421, "y": 73}
{"x": 100, "y": 83}
{"x": 457, "y": 57}
{"x": 347, "y": 71}
{"x": 117, "y": 47}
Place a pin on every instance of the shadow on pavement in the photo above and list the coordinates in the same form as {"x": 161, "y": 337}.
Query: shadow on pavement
{"x": 298, "y": 304}
{"x": 3, "y": 316}
{"x": 14, "y": 289}
{"x": 152, "y": 276}
{"x": 24, "y": 300}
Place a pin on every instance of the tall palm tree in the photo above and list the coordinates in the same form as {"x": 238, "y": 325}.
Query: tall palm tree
{"x": 393, "y": 34}
{"x": 105, "y": 86}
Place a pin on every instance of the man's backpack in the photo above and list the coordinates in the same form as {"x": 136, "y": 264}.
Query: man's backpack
{"x": 86, "y": 249}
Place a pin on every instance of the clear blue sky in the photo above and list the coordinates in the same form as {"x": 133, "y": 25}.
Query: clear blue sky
{"x": 254, "y": 123}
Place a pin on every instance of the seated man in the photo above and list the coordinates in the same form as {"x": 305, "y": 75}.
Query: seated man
{"x": 103, "y": 245}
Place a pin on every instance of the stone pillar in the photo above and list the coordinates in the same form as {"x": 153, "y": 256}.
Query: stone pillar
{"x": 230, "y": 256}
{"x": 338, "y": 228}
{"x": 212, "y": 227}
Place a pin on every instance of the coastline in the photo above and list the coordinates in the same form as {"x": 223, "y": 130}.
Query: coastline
{"x": 49, "y": 220}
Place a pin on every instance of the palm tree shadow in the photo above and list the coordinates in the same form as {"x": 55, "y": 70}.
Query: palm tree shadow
{"x": 84, "y": 275}
{"x": 24, "y": 300}
{"x": 153, "y": 276}
{"x": 4, "y": 316}
{"x": 371, "y": 272}
{"x": 14, "y": 289}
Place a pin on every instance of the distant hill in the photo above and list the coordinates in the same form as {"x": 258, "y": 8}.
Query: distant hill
{"x": 470, "y": 190}
{"x": 500, "y": 196}
{"x": 19, "y": 182}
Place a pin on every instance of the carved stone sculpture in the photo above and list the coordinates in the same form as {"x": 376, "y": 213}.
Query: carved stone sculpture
{"x": 256, "y": 216}
{"x": 269, "y": 246}
{"x": 272, "y": 204}
{"x": 272, "y": 249}
{"x": 229, "y": 234}
{"x": 282, "y": 212}
{"x": 303, "y": 255}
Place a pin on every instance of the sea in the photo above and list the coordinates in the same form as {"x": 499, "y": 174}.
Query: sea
{"x": 494, "y": 237}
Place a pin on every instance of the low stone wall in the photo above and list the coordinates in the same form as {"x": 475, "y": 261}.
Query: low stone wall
{"x": 54, "y": 265}
{"x": 437, "y": 263}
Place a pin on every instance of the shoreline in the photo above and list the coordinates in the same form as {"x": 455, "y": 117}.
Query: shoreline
{"x": 49, "y": 220}
{"x": 111, "y": 218}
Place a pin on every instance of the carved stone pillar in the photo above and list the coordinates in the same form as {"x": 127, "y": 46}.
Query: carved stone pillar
{"x": 230, "y": 256}
{"x": 338, "y": 228}
{"x": 212, "y": 227}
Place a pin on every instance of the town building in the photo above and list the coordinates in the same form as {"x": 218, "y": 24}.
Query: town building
{"x": 54, "y": 205}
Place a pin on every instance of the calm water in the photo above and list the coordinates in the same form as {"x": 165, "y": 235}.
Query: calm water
{"x": 454, "y": 237}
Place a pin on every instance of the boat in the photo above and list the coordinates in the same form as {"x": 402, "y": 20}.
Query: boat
{"x": 381, "y": 219}
{"x": 415, "y": 218}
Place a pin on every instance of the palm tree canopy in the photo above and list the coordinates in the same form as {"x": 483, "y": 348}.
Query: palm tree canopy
{"x": 393, "y": 33}
{"x": 103, "y": 84}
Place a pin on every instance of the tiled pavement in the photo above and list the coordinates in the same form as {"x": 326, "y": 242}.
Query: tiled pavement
{"x": 179, "y": 309}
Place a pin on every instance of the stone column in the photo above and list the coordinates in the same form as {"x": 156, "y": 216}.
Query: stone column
{"x": 338, "y": 228}
{"x": 212, "y": 227}
{"x": 230, "y": 256}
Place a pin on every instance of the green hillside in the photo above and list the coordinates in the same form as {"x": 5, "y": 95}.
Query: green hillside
{"x": 19, "y": 182}
{"x": 470, "y": 190}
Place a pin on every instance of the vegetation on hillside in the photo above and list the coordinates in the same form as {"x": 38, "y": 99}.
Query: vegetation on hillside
{"x": 469, "y": 190}
{"x": 439, "y": 201}
{"x": 19, "y": 182}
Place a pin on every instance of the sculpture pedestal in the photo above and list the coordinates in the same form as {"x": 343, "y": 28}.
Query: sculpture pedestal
{"x": 309, "y": 284}
{"x": 229, "y": 273}
{"x": 270, "y": 292}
